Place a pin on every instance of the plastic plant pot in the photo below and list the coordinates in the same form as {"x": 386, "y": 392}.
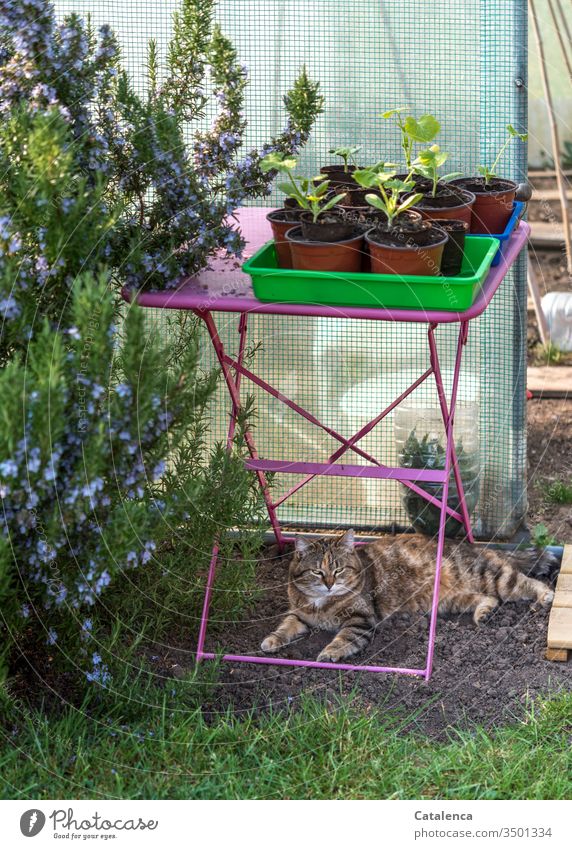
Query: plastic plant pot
{"x": 423, "y": 260}
{"x": 331, "y": 226}
{"x": 518, "y": 211}
{"x": 282, "y": 220}
{"x": 355, "y": 197}
{"x": 454, "y": 249}
{"x": 338, "y": 176}
{"x": 429, "y": 208}
{"x": 420, "y": 441}
{"x": 344, "y": 255}
{"x": 493, "y": 206}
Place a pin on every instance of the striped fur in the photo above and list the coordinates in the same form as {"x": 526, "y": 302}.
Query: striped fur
{"x": 334, "y": 587}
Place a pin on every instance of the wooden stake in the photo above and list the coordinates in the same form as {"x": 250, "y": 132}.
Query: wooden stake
{"x": 564, "y": 22}
{"x": 560, "y": 38}
{"x": 535, "y": 295}
{"x": 554, "y": 135}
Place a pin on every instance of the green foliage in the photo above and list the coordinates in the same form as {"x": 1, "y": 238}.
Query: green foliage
{"x": 303, "y": 102}
{"x": 541, "y": 536}
{"x": 413, "y": 130}
{"x": 489, "y": 172}
{"x": 390, "y": 188}
{"x": 157, "y": 744}
{"x": 347, "y": 153}
{"x": 559, "y": 492}
{"x": 428, "y": 163}
{"x": 105, "y": 456}
{"x": 310, "y": 193}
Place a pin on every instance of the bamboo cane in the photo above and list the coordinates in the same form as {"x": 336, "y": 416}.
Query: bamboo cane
{"x": 564, "y": 22}
{"x": 554, "y": 135}
{"x": 560, "y": 38}
{"x": 535, "y": 295}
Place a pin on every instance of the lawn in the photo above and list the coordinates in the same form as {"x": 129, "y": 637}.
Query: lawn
{"x": 118, "y": 748}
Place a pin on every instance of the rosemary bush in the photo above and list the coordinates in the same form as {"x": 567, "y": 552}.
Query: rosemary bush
{"x": 105, "y": 468}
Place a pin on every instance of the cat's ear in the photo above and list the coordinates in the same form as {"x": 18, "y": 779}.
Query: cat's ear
{"x": 347, "y": 540}
{"x": 302, "y": 545}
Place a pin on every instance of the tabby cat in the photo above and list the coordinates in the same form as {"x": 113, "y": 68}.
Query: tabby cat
{"x": 334, "y": 587}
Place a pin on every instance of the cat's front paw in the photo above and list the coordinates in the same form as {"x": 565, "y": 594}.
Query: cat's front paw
{"x": 331, "y": 654}
{"x": 271, "y": 644}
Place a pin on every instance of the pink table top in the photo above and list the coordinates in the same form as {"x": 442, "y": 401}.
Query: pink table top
{"x": 224, "y": 287}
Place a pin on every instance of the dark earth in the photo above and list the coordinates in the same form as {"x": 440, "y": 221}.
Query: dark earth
{"x": 486, "y": 674}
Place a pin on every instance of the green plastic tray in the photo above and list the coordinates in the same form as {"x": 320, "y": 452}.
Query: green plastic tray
{"x": 454, "y": 294}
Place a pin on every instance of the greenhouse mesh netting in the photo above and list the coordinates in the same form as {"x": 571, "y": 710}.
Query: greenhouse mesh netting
{"x": 465, "y": 62}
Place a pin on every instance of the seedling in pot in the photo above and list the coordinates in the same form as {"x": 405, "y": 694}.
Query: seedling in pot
{"x": 347, "y": 154}
{"x": 413, "y": 130}
{"x": 490, "y": 173}
{"x": 310, "y": 193}
{"x": 404, "y": 244}
{"x": 428, "y": 163}
{"x": 390, "y": 190}
{"x": 495, "y": 195}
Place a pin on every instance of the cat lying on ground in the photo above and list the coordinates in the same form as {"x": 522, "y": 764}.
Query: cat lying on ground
{"x": 333, "y": 586}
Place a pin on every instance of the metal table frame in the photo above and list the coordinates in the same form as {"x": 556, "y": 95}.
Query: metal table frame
{"x": 225, "y": 288}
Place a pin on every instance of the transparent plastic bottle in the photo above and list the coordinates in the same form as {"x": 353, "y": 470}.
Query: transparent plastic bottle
{"x": 557, "y": 307}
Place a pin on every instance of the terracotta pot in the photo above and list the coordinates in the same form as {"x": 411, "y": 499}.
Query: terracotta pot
{"x": 492, "y": 208}
{"x": 345, "y": 255}
{"x": 388, "y": 259}
{"x": 337, "y": 175}
{"x": 455, "y": 248}
{"x": 460, "y": 212}
{"x": 330, "y": 227}
{"x": 282, "y": 220}
{"x": 355, "y": 197}
{"x": 368, "y": 217}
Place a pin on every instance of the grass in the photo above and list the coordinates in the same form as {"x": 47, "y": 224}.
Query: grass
{"x": 559, "y": 492}
{"x": 541, "y": 536}
{"x": 115, "y": 749}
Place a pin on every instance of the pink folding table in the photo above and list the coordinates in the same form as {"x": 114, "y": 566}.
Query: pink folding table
{"x": 225, "y": 288}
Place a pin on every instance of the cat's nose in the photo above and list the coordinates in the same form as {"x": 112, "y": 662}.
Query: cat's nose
{"x": 329, "y": 582}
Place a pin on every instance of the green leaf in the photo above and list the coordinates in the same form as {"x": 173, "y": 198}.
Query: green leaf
{"x": 515, "y": 134}
{"x": 277, "y": 162}
{"x": 409, "y": 202}
{"x": 333, "y": 202}
{"x": 423, "y": 129}
{"x": 365, "y": 177}
{"x": 377, "y": 202}
{"x": 391, "y": 112}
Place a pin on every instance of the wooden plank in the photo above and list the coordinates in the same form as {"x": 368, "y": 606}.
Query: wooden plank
{"x": 560, "y": 628}
{"x": 547, "y": 173}
{"x": 556, "y": 654}
{"x": 550, "y": 381}
{"x": 546, "y": 234}
{"x": 548, "y": 195}
{"x": 566, "y": 565}
{"x": 564, "y": 583}
{"x": 562, "y": 599}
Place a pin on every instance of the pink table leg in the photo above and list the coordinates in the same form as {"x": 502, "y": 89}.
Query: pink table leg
{"x": 450, "y": 460}
{"x": 233, "y": 383}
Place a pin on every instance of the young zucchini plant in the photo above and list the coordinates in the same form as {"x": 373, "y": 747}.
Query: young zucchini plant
{"x": 428, "y": 163}
{"x": 348, "y": 154}
{"x": 310, "y": 193}
{"x": 490, "y": 173}
{"x": 390, "y": 188}
{"x": 413, "y": 130}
